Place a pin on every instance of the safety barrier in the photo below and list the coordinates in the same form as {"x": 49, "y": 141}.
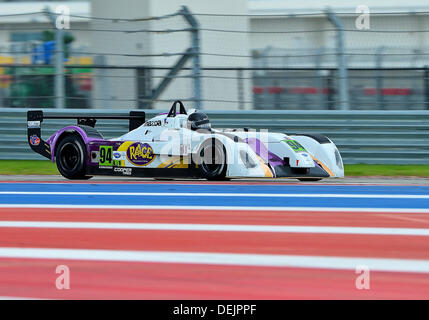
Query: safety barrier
{"x": 390, "y": 137}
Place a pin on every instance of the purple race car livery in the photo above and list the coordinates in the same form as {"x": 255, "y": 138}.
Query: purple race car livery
{"x": 182, "y": 144}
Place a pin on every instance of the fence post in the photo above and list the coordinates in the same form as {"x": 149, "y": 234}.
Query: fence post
{"x": 102, "y": 93}
{"x": 343, "y": 82}
{"x": 196, "y": 68}
{"x": 240, "y": 89}
{"x": 379, "y": 76}
{"x": 144, "y": 88}
{"x": 330, "y": 90}
{"x": 318, "y": 72}
{"x": 426, "y": 86}
{"x": 59, "y": 61}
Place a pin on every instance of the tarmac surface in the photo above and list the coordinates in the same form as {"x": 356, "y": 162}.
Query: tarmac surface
{"x": 353, "y": 238}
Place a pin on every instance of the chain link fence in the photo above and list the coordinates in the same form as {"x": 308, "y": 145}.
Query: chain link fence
{"x": 223, "y": 62}
{"x": 271, "y": 89}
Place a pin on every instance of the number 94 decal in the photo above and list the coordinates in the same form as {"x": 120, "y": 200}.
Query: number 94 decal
{"x": 105, "y": 158}
{"x": 295, "y": 145}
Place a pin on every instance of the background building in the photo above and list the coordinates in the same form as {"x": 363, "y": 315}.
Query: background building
{"x": 265, "y": 54}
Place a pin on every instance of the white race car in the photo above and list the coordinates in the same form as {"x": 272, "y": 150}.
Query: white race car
{"x": 181, "y": 144}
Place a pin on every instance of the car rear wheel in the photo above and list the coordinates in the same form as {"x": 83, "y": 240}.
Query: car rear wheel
{"x": 71, "y": 158}
{"x": 211, "y": 160}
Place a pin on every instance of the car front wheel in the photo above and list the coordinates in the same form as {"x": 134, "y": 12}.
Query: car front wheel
{"x": 211, "y": 160}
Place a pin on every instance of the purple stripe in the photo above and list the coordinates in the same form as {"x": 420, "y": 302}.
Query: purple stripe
{"x": 261, "y": 150}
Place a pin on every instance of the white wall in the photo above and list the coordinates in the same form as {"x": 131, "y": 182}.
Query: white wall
{"x": 213, "y": 89}
{"x": 117, "y": 88}
{"x": 150, "y": 43}
{"x": 358, "y": 42}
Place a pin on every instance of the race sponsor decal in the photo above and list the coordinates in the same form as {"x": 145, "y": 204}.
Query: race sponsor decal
{"x": 124, "y": 171}
{"x": 105, "y": 156}
{"x": 156, "y": 123}
{"x": 295, "y": 145}
{"x": 119, "y": 163}
{"x": 117, "y": 155}
{"x": 140, "y": 154}
{"x": 33, "y": 124}
{"x": 34, "y": 140}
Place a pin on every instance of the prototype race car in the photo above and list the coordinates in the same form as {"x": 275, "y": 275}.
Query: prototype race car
{"x": 181, "y": 144}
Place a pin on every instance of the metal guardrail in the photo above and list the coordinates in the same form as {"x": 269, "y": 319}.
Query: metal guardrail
{"x": 389, "y": 137}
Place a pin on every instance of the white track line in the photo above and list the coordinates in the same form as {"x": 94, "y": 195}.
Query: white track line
{"x": 144, "y": 208}
{"x": 19, "y": 298}
{"x": 215, "y": 227}
{"x": 260, "y": 260}
{"x": 182, "y": 194}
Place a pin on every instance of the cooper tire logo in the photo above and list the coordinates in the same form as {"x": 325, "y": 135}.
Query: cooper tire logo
{"x": 124, "y": 171}
{"x": 140, "y": 154}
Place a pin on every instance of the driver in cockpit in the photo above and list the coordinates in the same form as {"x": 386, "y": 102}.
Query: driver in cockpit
{"x": 199, "y": 121}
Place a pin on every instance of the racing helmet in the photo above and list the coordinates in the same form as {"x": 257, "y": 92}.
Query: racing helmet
{"x": 199, "y": 121}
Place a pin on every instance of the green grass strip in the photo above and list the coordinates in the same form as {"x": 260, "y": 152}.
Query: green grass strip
{"x": 24, "y": 167}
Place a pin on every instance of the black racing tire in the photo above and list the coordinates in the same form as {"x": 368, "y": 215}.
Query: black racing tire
{"x": 212, "y": 165}
{"x": 310, "y": 179}
{"x": 70, "y": 157}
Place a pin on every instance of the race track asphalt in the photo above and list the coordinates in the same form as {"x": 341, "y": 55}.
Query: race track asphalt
{"x": 245, "y": 239}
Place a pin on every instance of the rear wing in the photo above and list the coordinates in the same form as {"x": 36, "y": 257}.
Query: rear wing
{"x": 36, "y": 117}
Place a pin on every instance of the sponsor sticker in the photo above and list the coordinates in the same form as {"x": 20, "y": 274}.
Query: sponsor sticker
{"x": 119, "y": 155}
{"x": 152, "y": 123}
{"x": 119, "y": 163}
{"x": 34, "y": 140}
{"x": 140, "y": 154}
{"x": 295, "y": 145}
{"x": 105, "y": 156}
{"x": 33, "y": 124}
{"x": 124, "y": 171}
